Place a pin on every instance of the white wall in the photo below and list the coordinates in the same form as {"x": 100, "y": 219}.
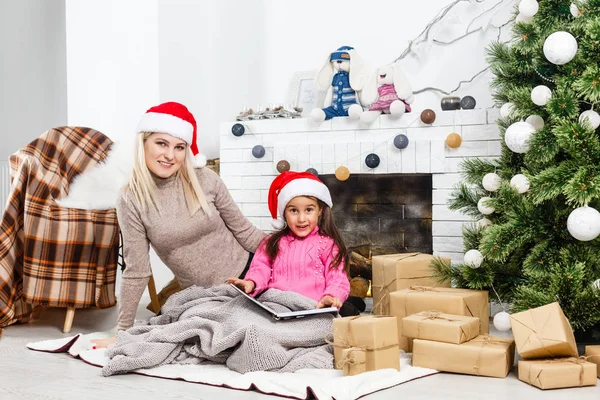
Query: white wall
{"x": 33, "y": 90}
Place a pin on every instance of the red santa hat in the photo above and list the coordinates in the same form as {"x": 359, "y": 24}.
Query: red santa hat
{"x": 290, "y": 184}
{"x": 176, "y": 120}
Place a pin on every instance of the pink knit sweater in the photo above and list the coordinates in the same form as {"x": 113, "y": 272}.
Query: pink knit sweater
{"x": 301, "y": 266}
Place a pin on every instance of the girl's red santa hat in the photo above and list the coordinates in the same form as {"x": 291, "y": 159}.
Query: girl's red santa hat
{"x": 290, "y": 184}
{"x": 176, "y": 120}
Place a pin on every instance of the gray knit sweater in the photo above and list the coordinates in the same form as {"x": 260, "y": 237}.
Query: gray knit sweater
{"x": 198, "y": 249}
{"x": 219, "y": 325}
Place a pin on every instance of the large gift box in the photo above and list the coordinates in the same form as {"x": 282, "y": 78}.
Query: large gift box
{"x": 557, "y": 373}
{"x": 543, "y": 332}
{"x": 593, "y": 352}
{"x": 471, "y": 303}
{"x": 440, "y": 327}
{"x": 485, "y": 356}
{"x": 393, "y": 272}
{"x": 377, "y": 336}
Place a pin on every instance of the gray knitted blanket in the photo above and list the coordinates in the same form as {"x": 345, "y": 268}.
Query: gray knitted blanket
{"x": 219, "y": 325}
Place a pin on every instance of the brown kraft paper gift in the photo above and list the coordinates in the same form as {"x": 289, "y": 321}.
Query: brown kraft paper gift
{"x": 543, "y": 332}
{"x": 354, "y": 361}
{"x": 377, "y": 336}
{"x": 439, "y": 327}
{"x": 483, "y": 356}
{"x": 593, "y": 352}
{"x": 392, "y": 272}
{"x": 557, "y": 373}
{"x": 471, "y": 303}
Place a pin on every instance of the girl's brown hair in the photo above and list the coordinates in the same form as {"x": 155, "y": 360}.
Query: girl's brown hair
{"x": 327, "y": 227}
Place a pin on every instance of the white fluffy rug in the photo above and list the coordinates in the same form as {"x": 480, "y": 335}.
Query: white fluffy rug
{"x": 323, "y": 384}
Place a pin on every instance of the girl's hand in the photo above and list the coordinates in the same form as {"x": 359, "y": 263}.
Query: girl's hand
{"x": 328, "y": 301}
{"x": 246, "y": 286}
{"x": 104, "y": 343}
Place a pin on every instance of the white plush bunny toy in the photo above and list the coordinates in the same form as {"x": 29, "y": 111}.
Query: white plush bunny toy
{"x": 387, "y": 91}
{"x": 343, "y": 76}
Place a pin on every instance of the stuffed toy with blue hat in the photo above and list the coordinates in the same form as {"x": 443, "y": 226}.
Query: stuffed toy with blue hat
{"x": 343, "y": 76}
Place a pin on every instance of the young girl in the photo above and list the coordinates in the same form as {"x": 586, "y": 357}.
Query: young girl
{"x": 307, "y": 255}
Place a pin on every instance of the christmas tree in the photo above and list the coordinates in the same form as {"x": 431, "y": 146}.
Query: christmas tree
{"x": 536, "y": 236}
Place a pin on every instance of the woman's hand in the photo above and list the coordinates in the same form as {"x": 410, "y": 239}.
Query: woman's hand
{"x": 104, "y": 343}
{"x": 328, "y": 301}
{"x": 246, "y": 286}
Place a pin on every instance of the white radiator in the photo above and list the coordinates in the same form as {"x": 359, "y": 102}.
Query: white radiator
{"x": 4, "y": 185}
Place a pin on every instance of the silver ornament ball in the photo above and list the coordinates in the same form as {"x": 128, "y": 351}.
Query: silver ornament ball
{"x": 517, "y": 136}
{"x": 483, "y": 223}
{"x": 560, "y": 47}
{"x": 540, "y": 95}
{"x": 536, "y": 121}
{"x": 502, "y": 321}
{"x": 483, "y": 208}
{"x": 520, "y": 182}
{"x": 584, "y": 223}
{"x": 590, "y": 118}
{"x": 506, "y": 110}
{"x": 473, "y": 258}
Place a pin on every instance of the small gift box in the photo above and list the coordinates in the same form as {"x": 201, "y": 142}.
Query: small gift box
{"x": 484, "y": 356}
{"x": 557, "y": 373}
{"x": 543, "y": 332}
{"x": 354, "y": 361}
{"x": 592, "y": 353}
{"x": 439, "y": 327}
{"x": 377, "y": 336}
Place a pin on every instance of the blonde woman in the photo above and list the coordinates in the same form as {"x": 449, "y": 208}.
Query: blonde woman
{"x": 187, "y": 215}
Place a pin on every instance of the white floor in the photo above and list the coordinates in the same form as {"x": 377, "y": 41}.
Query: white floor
{"x": 25, "y": 374}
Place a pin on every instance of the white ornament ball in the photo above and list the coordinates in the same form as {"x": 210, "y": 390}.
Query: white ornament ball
{"x": 506, "y": 110}
{"x": 491, "y": 182}
{"x": 560, "y": 47}
{"x": 520, "y": 182}
{"x": 522, "y": 18}
{"x": 473, "y": 258}
{"x": 536, "y": 121}
{"x": 517, "y": 136}
{"x": 596, "y": 284}
{"x": 584, "y": 223}
{"x": 484, "y": 209}
{"x": 528, "y": 8}
{"x": 541, "y": 94}
{"x": 483, "y": 223}
{"x": 574, "y": 10}
{"x": 502, "y": 321}
{"x": 591, "y": 118}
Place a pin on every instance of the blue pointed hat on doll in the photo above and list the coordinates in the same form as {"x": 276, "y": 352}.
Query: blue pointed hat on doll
{"x": 341, "y": 54}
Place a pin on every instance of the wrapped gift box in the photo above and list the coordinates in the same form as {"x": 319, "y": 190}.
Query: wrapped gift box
{"x": 377, "y": 336}
{"x": 354, "y": 361}
{"x": 440, "y": 327}
{"x": 557, "y": 373}
{"x": 485, "y": 356}
{"x": 471, "y": 303}
{"x": 593, "y": 352}
{"x": 543, "y": 332}
{"x": 392, "y": 272}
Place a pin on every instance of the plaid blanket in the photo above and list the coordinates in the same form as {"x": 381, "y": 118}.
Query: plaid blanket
{"x": 49, "y": 255}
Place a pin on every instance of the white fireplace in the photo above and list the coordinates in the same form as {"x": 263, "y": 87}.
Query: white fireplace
{"x": 345, "y": 142}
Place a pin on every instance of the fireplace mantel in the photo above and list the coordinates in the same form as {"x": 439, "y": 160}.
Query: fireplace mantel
{"x": 342, "y": 141}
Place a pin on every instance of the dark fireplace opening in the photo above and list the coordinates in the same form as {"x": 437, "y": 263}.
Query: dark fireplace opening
{"x": 382, "y": 214}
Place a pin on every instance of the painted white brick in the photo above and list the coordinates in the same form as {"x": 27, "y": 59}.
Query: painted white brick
{"x": 441, "y": 196}
{"x": 232, "y": 155}
{"x": 480, "y": 132}
{"x": 445, "y": 181}
{"x": 232, "y": 182}
{"x": 291, "y": 154}
{"x": 245, "y": 196}
{"x": 455, "y": 258}
{"x": 409, "y": 162}
{"x": 387, "y": 121}
{"x": 453, "y": 164}
{"x": 493, "y": 114}
{"x": 251, "y": 169}
{"x": 377, "y": 136}
{"x": 269, "y": 168}
{"x": 442, "y": 119}
{"x": 428, "y": 133}
{"x": 495, "y": 148}
{"x": 255, "y": 209}
{"x": 306, "y": 125}
{"x": 442, "y": 213}
{"x": 447, "y": 228}
{"x": 394, "y": 158}
{"x": 303, "y": 157}
{"x": 264, "y": 196}
{"x": 423, "y": 156}
{"x": 255, "y": 221}
{"x": 331, "y": 137}
{"x": 365, "y": 149}
{"x": 328, "y": 157}
{"x": 354, "y": 159}
{"x": 266, "y": 126}
{"x": 341, "y": 153}
{"x": 278, "y": 153}
{"x": 248, "y": 157}
{"x": 349, "y": 124}
{"x": 265, "y": 224}
{"x": 471, "y": 117}
{"x": 316, "y": 157}
{"x": 447, "y": 243}
{"x": 242, "y": 142}
{"x": 273, "y": 140}
{"x": 236, "y": 169}
{"x": 257, "y": 182}
{"x": 468, "y": 149}
{"x": 438, "y": 156}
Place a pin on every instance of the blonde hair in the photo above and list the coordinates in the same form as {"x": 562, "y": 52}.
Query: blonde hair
{"x": 142, "y": 186}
